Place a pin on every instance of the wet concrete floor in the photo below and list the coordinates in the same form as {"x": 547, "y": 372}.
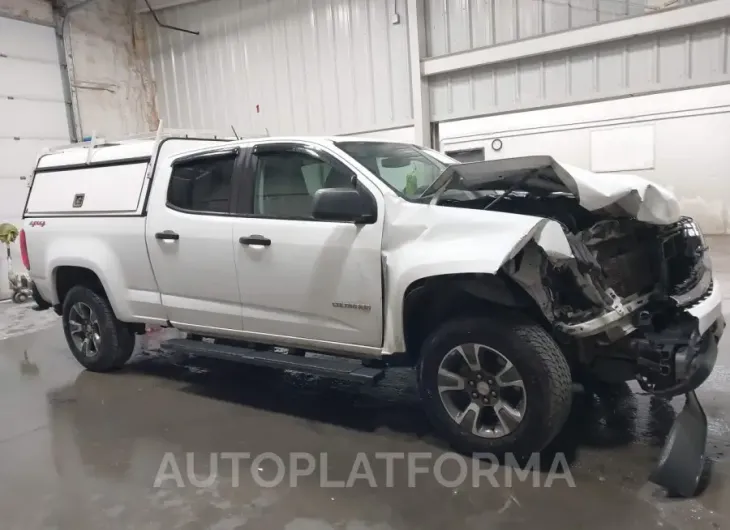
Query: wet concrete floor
{"x": 80, "y": 450}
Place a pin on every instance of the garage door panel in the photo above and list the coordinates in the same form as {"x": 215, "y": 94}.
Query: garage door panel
{"x": 36, "y": 116}
{"x": 21, "y": 155}
{"x": 23, "y": 39}
{"x": 33, "y": 119}
{"x": 30, "y": 79}
{"x": 12, "y": 199}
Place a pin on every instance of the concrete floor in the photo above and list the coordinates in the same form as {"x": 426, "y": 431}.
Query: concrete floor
{"x": 81, "y": 451}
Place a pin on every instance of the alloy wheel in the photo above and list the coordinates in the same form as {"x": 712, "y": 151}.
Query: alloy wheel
{"x": 84, "y": 329}
{"x": 482, "y": 390}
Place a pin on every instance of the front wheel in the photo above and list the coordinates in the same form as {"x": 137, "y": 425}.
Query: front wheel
{"x": 495, "y": 385}
{"x": 98, "y": 340}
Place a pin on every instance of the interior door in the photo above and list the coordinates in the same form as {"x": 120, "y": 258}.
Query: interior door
{"x": 189, "y": 239}
{"x": 316, "y": 281}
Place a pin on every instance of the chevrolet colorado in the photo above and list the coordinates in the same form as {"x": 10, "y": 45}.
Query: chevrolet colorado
{"x": 502, "y": 282}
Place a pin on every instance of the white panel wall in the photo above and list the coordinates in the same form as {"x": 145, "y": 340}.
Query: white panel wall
{"x": 676, "y": 59}
{"x": 455, "y": 26}
{"x": 286, "y": 66}
{"x": 688, "y": 154}
{"x": 401, "y": 134}
{"x": 108, "y": 59}
{"x": 32, "y": 113}
{"x": 31, "y": 106}
{"x": 38, "y": 11}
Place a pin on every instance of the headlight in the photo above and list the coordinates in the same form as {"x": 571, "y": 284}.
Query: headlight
{"x": 691, "y": 229}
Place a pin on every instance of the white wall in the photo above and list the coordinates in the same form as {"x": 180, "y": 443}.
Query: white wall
{"x": 673, "y": 59}
{"x": 113, "y": 91}
{"x": 284, "y": 66}
{"x": 111, "y": 76}
{"x": 30, "y": 10}
{"x": 400, "y": 134}
{"x": 33, "y": 113}
{"x": 677, "y": 139}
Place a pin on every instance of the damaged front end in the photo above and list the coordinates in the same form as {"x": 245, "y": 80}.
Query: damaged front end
{"x": 626, "y": 285}
{"x": 637, "y": 301}
{"x": 631, "y": 301}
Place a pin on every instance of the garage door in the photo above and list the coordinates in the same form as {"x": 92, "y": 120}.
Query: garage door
{"x": 32, "y": 109}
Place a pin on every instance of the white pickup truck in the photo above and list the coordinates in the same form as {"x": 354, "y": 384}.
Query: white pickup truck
{"x": 502, "y": 282}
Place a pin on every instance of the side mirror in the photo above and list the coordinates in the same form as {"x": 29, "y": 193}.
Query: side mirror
{"x": 343, "y": 204}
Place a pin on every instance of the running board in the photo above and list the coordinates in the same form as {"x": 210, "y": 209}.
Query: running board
{"x": 335, "y": 368}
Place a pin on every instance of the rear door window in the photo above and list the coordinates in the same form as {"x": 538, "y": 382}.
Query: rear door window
{"x": 202, "y": 186}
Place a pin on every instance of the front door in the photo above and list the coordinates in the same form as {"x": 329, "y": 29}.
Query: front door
{"x": 318, "y": 282}
{"x": 189, "y": 238}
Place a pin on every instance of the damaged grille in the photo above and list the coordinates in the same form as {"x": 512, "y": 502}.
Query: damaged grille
{"x": 636, "y": 258}
{"x": 631, "y": 272}
{"x": 685, "y": 254}
{"x": 628, "y": 255}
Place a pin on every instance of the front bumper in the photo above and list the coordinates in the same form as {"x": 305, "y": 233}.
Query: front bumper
{"x": 682, "y": 459}
{"x": 708, "y": 309}
{"x": 681, "y": 357}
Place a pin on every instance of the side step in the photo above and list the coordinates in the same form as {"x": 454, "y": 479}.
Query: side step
{"x": 335, "y": 368}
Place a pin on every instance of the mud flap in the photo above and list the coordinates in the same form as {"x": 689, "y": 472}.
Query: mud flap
{"x": 682, "y": 459}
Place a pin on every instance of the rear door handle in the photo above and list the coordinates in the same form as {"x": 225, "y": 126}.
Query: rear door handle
{"x": 167, "y": 235}
{"x": 255, "y": 239}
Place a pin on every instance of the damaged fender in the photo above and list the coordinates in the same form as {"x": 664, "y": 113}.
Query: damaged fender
{"x": 427, "y": 241}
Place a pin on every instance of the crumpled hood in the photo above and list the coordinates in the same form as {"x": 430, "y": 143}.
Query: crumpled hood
{"x": 620, "y": 193}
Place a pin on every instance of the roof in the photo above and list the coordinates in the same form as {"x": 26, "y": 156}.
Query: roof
{"x": 73, "y": 155}
{"x": 142, "y": 148}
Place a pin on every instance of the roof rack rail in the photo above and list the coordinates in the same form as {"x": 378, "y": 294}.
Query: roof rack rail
{"x": 160, "y": 134}
{"x": 95, "y": 142}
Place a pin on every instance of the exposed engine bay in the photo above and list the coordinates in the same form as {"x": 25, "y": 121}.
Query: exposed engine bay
{"x": 618, "y": 304}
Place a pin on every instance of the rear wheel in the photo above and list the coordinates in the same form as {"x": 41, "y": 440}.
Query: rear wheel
{"x": 98, "y": 340}
{"x": 495, "y": 385}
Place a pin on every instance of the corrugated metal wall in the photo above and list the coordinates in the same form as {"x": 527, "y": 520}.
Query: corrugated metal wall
{"x": 289, "y": 66}
{"x": 458, "y": 25}
{"x": 671, "y": 60}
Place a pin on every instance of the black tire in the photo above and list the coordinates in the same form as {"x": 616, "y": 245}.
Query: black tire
{"x": 117, "y": 339}
{"x": 542, "y": 366}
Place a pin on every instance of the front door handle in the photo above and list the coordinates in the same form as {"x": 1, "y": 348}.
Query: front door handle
{"x": 167, "y": 235}
{"x": 255, "y": 239}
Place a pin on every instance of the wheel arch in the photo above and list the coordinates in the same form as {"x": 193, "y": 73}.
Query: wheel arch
{"x": 87, "y": 273}
{"x": 432, "y": 300}
{"x": 65, "y": 277}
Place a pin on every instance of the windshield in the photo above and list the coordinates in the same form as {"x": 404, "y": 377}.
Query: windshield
{"x": 408, "y": 169}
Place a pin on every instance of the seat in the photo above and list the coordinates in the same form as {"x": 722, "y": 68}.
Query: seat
{"x": 337, "y": 179}
{"x": 212, "y": 189}
{"x": 284, "y": 190}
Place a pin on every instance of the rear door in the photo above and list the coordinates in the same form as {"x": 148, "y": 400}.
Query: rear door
{"x": 314, "y": 282}
{"x": 190, "y": 242}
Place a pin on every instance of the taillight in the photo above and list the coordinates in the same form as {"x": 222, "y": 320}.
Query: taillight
{"x": 24, "y": 250}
